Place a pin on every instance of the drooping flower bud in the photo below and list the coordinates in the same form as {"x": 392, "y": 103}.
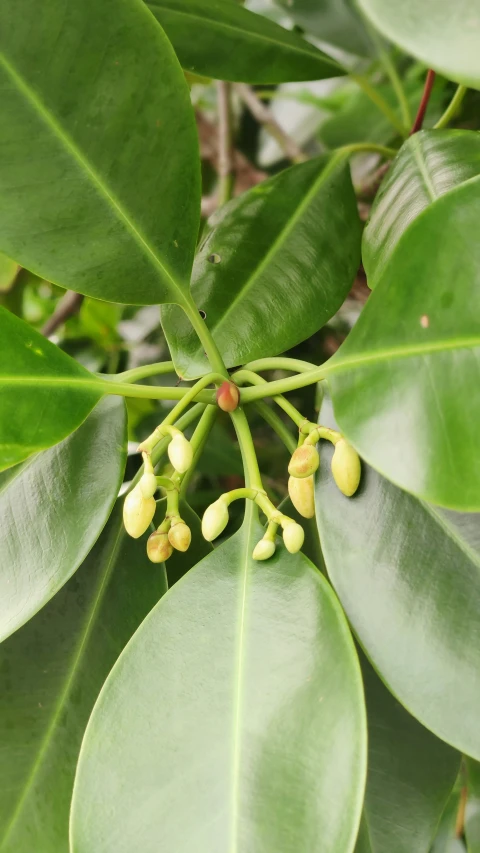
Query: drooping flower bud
{"x": 228, "y": 396}
{"x": 301, "y": 493}
{"x": 159, "y": 548}
{"x": 148, "y": 484}
{"x": 263, "y": 549}
{"x": 304, "y": 461}
{"x": 346, "y": 467}
{"x": 137, "y": 512}
{"x": 293, "y": 537}
{"x": 180, "y": 536}
{"x": 180, "y": 453}
{"x": 215, "y": 519}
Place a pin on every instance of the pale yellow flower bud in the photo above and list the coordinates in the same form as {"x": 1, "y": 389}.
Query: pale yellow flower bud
{"x": 180, "y": 453}
{"x": 263, "y": 549}
{"x": 304, "y": 461}
{"x": 137, "y": 512}
{"x": 346, "y": 467}
{"x": 159, "y": 548}
{"x": 148, "y": 485}
{"x": 180, "y": 536}
{"x": 215, "y": 519}
{"x": 293, "y": 537}
{"x": 301, "y": 493}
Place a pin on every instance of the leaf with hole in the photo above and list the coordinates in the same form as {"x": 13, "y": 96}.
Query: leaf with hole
{"x": 265, "y": 748}
{"x": 51, "y": 672}
{"x": 99, "y": 165}
{"x": 52, "y": 509}
{"x": 275, "y": 267}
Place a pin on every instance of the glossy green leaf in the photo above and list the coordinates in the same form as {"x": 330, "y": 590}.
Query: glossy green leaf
{"x": 181, "y": 562}
{"x": 430, "y": 165}
{"x": 444, "y": 36}
{"x": 405, "y": 381}
{"x": 276, "y": 266}
{"x": 51, "y": 672}
{"x": 45, "y": 393}
{"x": 408, "y": 577}
{"x": 99, "y": 168}
{"x": 8, "y": 272}
{"x": 472, "y": 810}
{"x": 219, "y": 38}
{"x": 52, "y": 509}
{"x": 333, "y": 21}
{"x": 445, "y": 838}
{"x": 410, "y": 776}
{"x": 234, "y": 720}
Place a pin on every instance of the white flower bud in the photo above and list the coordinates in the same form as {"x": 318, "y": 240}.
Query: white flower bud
{"x": 137, "y": 512}
{"x": 304, "y": 461}
{"x": 293, "y": 537}
{"x": 301, "y": 493}
{"x": 180, "y": 453}
{"x": 180, "y": 536}
{"x": 148, "y": 485}
{"x": 263, "y": 549}
{"x": 159, "y": 548}
{"x": 215, "y": 519}
{"x": 346, "y": 467}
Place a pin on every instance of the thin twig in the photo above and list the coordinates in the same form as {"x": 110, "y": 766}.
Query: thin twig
{"x": 427, "y": 91}
{"x": 452, "y": 109}
{"x": 460, "y": 819}
{"x": 265, "y": 117}
{"x": 69, "y": 304}
{"x": 225, "y": 166}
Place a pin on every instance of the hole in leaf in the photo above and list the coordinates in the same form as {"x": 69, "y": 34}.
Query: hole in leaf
{"x": 203, "y": 314}
{"x": 214, "y": 258}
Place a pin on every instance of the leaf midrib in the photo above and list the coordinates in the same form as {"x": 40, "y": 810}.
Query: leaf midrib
{"x": 399, "y": 353}
{"x": 88, "y": 628}
{"x": 65, "y": 140}
{"x": 313, "y": 53}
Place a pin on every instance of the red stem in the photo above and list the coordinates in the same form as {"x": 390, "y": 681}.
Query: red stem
{"x": 417, "y": 124}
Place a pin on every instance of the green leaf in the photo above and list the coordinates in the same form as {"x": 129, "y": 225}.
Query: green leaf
{"x": 52, "y": 509}
{"x": 408, "y": 577}
{"x": 218, "y": 38}
{"x": 8, "y": 272}
{"x": 472, "y": 811}
{"x": 99, "y": 167}
{"x": 443, "y": 36}
{"x": 445, "y": 839}
{"x": 180, "y": 563}
{"x": 277, "y": 265}
{"x": 404, "y": 383}
{"x": 51, "y": 672}
{"x": 45, "y": 393}
{"x": 233, "y": 720}
{"x": 332, "y": 21}
{"x": 410, "y": 776}
{"x": 429, "y": 165}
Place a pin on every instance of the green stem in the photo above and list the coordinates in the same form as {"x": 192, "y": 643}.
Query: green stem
{"x": 253, "y": 479}
{"x": 239, "y": 494}
{"x": 142, "y": 372}
{"x": 280, "y": 363}
{"x": 276, "y": 424}
{"x": 154, "y": 392}
{"x": 380, "y": 102}
{"x": 452, "y": 108}
{"x": 192, "y": 394}
{"x": 211, "y": 350}
{"x": 372, "y": 147}
{"x": 280, "y": 386}
{"x": 198, "y": 441}
{"x": 243, "y": 376}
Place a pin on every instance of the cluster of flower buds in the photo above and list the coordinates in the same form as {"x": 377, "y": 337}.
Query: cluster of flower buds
{"x": 173, "y": 534}
{"x": 345, "y": 465}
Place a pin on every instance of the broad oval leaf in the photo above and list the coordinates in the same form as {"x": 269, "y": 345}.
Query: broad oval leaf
{"x": 411, "y": 774}
{"x": 51, "y": 672}
{"x": 99, "y": 169}
{"x": 429, "y": 165}
{"x": 233, "y": 720}
{"x": 219, "y": 38}
{"x": 335, "y": 22}
{"x": 8, "y": 272}
{"x": 444, "y": 36}
{"x": 45, "y": 393}
{"x": 408, "y": 577}
{"x": 52, "y": 509}
{"x": 276, "y": 266}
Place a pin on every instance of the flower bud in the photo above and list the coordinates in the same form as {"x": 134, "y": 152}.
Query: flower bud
{"x": 180, "y": 453}
{"x": 301, "y": 495}
{"x": 137, "y": 512}
{"x": 159, "y": 548}
{"x": 346, "y": 467}
{"x": 304, "y": 461}
{"x": 263, "y": 549}
{"x": 148, "y": 485}
{"x": 215, "y": 519}
{"x": 228, "y": 396}
{"x": 180, "y": 536}
{"x": 293, "y": 537}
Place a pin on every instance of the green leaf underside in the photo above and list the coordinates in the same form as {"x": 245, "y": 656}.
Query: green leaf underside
{"x": 429, "y": 165}
{"x": 45, "y": 393}
{"x": 333, "y": 21}
{"x": 408, "y": 373}
{"x": 181, "y": 562}
{"x": 221, "y": 39}
{"x": 52, "y": 509}
{"x": 289, "y": 251}
{"x": 472, "y": 811}
{"x": 102, "y": 179}
{"x": 441, "y": 35}
{"x": 408, "y": 577}
{"x": 410, "y": 776}
{"x": 51, "y": 672}
{"x": 265, "y": 745}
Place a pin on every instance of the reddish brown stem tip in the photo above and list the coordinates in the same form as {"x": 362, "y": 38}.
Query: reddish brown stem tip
{"x": 427, "y": 91}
